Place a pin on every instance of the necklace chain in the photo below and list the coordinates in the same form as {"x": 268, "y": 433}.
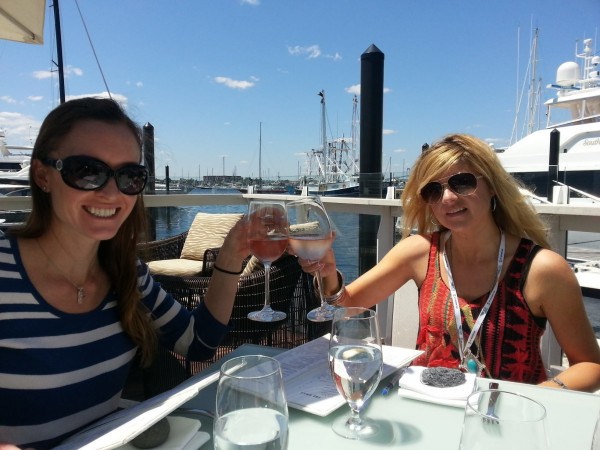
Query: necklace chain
{"x": 80, "y": 289}
{"x": 464, "y": 348}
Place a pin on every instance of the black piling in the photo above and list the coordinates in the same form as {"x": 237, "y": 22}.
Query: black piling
{"x": 148, "y": 149}
{"x": 371, "y": 154}
{"x": 553, "y": 163}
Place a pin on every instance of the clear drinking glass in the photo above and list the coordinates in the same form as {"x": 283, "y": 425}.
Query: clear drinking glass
{"x": 251, "y": 410}
{"x": 596, "y": 437}
{"x": 310, "y": 236}
{"x": 268, "y": 239}
{"x": 514, "y": 421}
{"x": 356, "y": 362}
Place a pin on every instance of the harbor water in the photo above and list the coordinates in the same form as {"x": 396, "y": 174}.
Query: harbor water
{"x": 174, "y": 220}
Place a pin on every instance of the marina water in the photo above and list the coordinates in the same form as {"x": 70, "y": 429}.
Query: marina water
{"x": 174, "y": 220}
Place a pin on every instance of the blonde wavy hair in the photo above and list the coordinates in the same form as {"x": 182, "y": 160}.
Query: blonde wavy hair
{"x": 513, "y": 212}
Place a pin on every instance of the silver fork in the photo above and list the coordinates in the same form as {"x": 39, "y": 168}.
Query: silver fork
{"x": 490, "y": 415}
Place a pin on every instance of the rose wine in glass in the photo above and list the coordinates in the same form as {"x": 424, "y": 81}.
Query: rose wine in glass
{"x": 356, "y": 363}
{"x": 267, "y": 239}
{"x": 310, "y": 237}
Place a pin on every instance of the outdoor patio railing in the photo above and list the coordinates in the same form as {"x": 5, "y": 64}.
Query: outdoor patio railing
{"x": 561, "y": 219}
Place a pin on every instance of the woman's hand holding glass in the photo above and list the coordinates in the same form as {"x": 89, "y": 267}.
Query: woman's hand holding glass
{"x": 310, "y": 237}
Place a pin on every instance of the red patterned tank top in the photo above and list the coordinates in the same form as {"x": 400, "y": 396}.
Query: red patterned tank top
{"x": 510, "y": 336}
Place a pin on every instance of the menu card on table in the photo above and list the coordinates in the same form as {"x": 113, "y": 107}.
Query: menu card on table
{"x": 307, "y": 378}
{"x": 122, "y": 426}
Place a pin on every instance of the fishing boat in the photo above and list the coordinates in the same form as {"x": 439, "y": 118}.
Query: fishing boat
{"x": 332, "y": 169}
{"x": 573, "y": 122}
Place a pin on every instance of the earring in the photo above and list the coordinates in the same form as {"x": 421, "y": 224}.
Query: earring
{"x": 494, "y": 203}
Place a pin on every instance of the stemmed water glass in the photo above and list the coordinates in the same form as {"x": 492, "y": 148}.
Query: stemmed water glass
{"x": 310, "y": 237}
{"x": 251, "y": 409}
{"x": 356, "y": 362}
{"x": 267, "y": 239}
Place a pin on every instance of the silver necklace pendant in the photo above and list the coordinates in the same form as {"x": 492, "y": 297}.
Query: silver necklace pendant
{"x": 80, "y": 295}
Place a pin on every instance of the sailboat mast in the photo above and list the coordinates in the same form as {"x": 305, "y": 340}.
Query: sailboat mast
{"x": 259, "y": 154}
{"x": 325, "y": 153}
{"x": 59, "y": 58}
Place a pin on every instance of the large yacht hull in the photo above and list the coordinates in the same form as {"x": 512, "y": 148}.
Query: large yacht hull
{"x": 578, "y": 159}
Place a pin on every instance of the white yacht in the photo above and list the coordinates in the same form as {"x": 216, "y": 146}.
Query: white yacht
{"x": 14, "y": 168}
{"x": 575, "y": 113}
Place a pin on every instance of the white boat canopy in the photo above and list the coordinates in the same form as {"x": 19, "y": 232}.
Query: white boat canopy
{"x": 22, "y": 20}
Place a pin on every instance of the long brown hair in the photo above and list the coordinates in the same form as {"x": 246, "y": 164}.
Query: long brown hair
{"x": 512, "y": 211}
{"x": 117, "y": 256}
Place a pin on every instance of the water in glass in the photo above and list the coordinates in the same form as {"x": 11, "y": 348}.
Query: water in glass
{"x": 356, "y": 362}
{"x": 251, "y": 410}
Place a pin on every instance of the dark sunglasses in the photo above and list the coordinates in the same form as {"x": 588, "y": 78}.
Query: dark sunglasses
{"x": 89, "y": 174}
{"x": 463, "y": 183}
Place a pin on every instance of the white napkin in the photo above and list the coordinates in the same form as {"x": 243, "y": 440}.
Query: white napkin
{"x": 184, "y": 435}
{"x": 412, "y": 387}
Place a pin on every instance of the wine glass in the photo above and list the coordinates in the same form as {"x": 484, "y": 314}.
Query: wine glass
{"x": 518, "y": 422}
{"x": 267, "y": 239}
{"x": 251, "y": 409}
{"x": 356, "y": 362}
{"x": 310, "y": 237}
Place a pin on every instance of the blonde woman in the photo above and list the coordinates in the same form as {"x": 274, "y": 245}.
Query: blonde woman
{"x": 488, "y": 281}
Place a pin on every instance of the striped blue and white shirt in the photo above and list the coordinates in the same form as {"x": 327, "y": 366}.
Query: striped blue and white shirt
{"x": 59, "y": 371}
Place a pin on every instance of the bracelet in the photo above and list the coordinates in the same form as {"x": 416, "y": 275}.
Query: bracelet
{"x": 560, "y": 383}
{"x": 229, "y": 272}
{"x": 335, "y": 299}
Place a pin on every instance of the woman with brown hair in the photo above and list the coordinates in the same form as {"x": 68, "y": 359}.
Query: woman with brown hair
{"x": 77, "y": 303}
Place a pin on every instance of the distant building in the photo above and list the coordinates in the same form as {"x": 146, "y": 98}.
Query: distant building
{"x": 221, "y": 179}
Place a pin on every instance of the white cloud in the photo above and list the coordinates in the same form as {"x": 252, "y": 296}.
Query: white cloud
{"x": 119, "y": 98}
{"x": 388, "y": 132}
{"x": 311, "y": 52}
{"x": 335, "y": 57}
{"x": 236, "y": 84}
{"x": 399, "y": 150}
{"x": 355, "y": 89}
{"x": 20, "y": 129}
{"x": 7, "y": 99}
{"x": 42, "y": 74}
{"x": 35, "y": 98}
{"x": 67, "y": 71}
{"x": 250, "y": 2}
{"x": 139, "y": 84}
{"x": 70, "y": 70}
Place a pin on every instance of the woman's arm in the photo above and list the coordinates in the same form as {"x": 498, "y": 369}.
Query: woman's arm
{"x": 406, "y": 261}
{"x": 223, "y": 286}
{"x": 552, "y": 291}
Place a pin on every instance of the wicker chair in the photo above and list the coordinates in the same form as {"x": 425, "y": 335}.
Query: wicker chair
{"x": 290, "y": 291}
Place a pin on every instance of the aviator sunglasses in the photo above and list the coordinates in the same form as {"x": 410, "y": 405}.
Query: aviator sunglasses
{"x": 90, "y": 174}
{"x": 463, "y": 183}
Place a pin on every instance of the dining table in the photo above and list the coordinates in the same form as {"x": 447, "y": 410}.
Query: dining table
{"x": 416, "y": 424}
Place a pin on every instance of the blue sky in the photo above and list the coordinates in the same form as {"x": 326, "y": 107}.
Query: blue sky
{"x": 205, "y": 73}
